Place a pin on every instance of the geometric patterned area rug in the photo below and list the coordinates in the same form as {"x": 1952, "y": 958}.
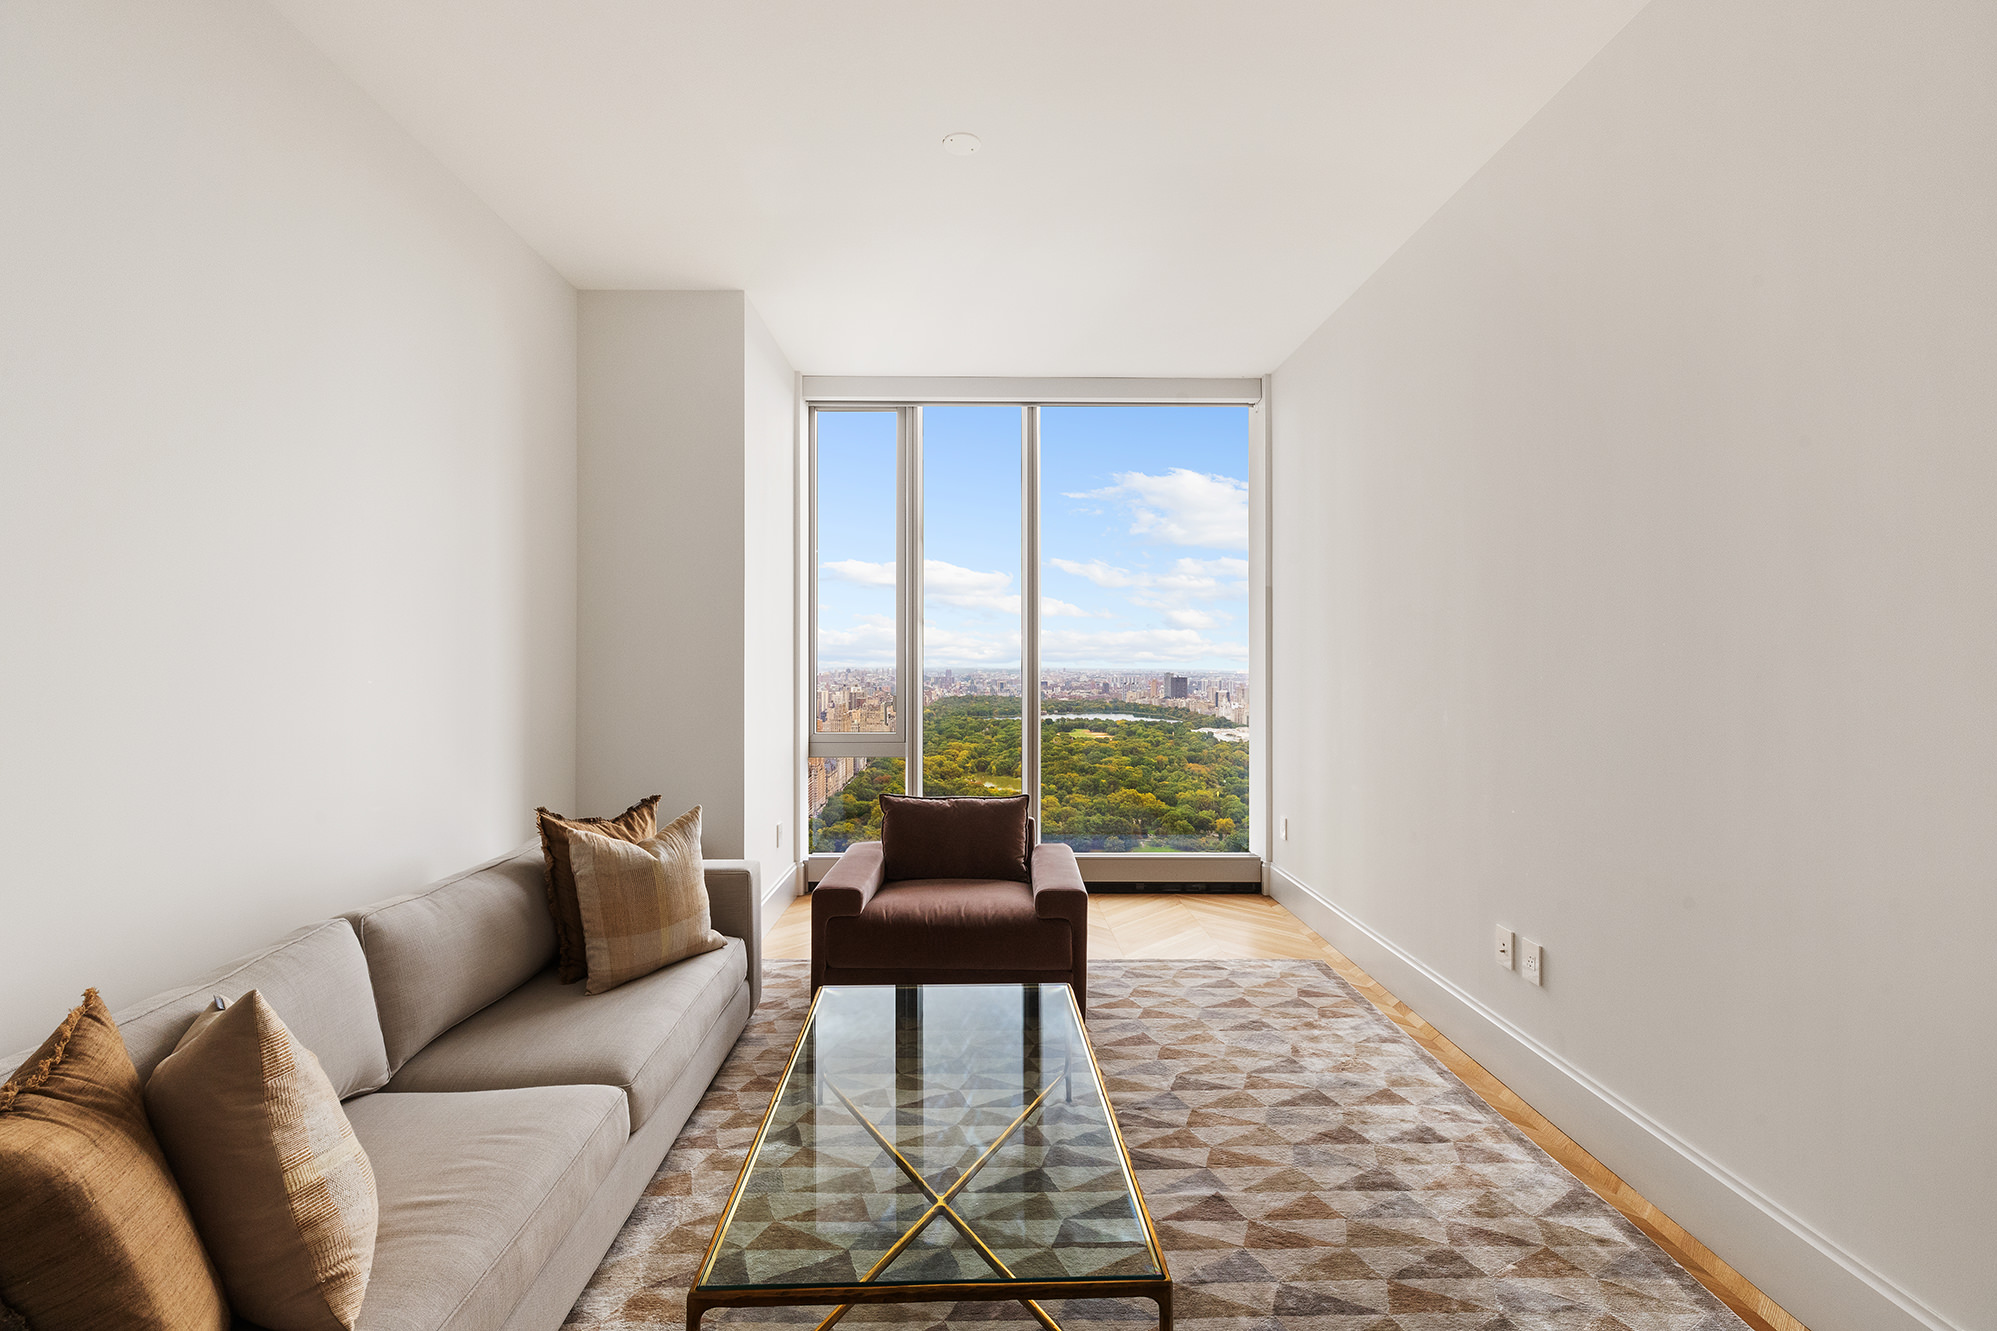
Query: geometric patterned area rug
{"x": 1309, "y": 1168}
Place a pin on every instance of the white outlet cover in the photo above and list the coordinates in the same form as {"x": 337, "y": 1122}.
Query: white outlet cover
{"x": 1532, "y": 962}
{"x": 1507, "y": 947}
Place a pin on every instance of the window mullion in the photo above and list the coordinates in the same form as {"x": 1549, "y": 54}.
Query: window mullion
{"x": 1029, "y": 611}
{"x": 911, "y": 632}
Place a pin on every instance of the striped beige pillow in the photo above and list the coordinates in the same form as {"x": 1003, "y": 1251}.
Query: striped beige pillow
{"x": 643, "y": 906}
{"x": 281, "y": 1191}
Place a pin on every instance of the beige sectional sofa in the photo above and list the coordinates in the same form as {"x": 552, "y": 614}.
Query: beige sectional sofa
{"x": 512, "y": 1121}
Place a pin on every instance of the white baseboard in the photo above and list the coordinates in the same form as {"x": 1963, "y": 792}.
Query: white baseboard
{"x": 778, "y": 894}
{"x": 1790, "y": 1261}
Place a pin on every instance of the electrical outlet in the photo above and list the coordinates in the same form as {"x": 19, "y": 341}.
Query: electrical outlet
{"x": 1532, "y": 961}
{"x": 1507, "y": 943}
{"x": 1286, "y": 829}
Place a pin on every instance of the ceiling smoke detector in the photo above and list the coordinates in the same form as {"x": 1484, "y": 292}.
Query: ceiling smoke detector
{"x": 961, "y": 144}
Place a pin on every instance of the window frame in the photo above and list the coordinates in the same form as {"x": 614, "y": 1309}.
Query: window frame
{"x": 880, "y": 744}
{"x": 906, "y": 397}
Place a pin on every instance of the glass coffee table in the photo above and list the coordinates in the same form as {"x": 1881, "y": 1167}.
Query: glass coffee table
{"x": 930, "y": 1143}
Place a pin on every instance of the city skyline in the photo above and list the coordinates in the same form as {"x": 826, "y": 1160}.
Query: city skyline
{"x": 848, "y": 699}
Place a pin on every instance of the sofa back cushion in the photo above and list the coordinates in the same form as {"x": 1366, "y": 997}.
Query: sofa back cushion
{"x": 316, "y": 976}
{"x": 441, "y": 954}
{"x": 954, "y": 838}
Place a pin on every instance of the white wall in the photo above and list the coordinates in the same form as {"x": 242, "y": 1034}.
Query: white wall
{"x": 686, "y": 442}
{"x": 769, "y": 644}
{"x": 286, "y": 502}
{"x": 1636, "y": 587}
{"x": 660, "y": 478}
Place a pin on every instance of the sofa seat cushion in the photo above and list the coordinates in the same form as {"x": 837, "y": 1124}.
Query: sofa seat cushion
{"x": 949, "y": 924}
{"x": 638, "y": 1037}
{"x": 477, "y": 1190}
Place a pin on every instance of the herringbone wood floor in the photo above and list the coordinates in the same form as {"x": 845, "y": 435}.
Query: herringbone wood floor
{"x": 1130, "y": 926}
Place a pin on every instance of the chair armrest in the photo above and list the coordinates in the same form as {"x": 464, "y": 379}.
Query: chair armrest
{"x": 844, "y": 891}
{"x": 735, "y": 908}
{"x": 851, "y": 884}
{"x": 1060, "y": 894}
{"x": 1058, "y": 890}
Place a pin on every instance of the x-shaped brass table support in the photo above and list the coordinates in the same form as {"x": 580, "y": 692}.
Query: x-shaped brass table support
{"x": 939, "y": 1202}
{"x": 1005, "y": 1286}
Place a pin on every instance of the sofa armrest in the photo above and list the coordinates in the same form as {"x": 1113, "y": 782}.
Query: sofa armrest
{"x": 735, "y": 908}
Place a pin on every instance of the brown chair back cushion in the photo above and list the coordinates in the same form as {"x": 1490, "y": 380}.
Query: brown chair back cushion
{"x": 954, "y": 838}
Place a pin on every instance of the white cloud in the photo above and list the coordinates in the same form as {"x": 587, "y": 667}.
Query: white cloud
{"x": 1136, "y": 647}
{"x": 870, "y": 641}
{"x": 1226, "y": 566}
{"x": 967, "y": 588}
{"x": 1188, "y": 580}
{"x": 1182, "y": 507}
{"x": 1195, "y": 580}
{"x": 862, "y": 572}
{"x": 945, "y": 646}
{"x": 1101, "y": 574}
{"x": 947, "y": 584}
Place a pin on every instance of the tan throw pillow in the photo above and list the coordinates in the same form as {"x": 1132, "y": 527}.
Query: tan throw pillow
{"x": 635, "y": 824}
{"x": 643, "y": 906}
{"x": 93, "y": 1231}
{"x": 279, "y": 1187}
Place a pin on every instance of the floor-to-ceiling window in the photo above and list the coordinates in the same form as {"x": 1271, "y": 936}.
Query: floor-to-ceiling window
{"x": 1144, "y": 627}
{"x": 1099, "y": 551}
{"x": 858, "y": 745}
{"x": 971, "y": 640}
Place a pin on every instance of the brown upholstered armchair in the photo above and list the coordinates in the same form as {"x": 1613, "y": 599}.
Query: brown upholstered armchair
{"x": 954, "y": 892}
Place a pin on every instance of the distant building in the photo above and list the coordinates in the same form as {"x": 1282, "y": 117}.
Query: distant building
{"x": 1178, "y": 684}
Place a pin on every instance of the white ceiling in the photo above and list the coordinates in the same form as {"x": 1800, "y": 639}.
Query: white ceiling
{"x": 1166, "y": 188}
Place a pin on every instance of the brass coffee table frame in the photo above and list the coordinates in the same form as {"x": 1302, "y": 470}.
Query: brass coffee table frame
{"x": 1028, "y": 1292}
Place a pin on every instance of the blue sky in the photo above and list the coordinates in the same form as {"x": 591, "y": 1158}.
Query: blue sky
{"x": 1144, "y": 537}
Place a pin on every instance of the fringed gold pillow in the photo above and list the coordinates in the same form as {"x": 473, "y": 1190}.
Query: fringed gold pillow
{"x": 643, "y": 906}
{"x": 93, "y": 1231}
{"x": 280, "y": 1189}
{"x": 635, "y": 824}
